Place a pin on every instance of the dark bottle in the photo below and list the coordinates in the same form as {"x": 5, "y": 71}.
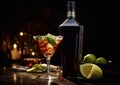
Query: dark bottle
{"x": 72, "y": 43}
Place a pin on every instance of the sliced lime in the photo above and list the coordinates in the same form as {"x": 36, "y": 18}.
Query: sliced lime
{"x": 91, "y": 71}
{"x": 35, "y": 67}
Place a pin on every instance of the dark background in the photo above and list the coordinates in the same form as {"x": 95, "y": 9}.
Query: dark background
{"x": 41, "y": 16}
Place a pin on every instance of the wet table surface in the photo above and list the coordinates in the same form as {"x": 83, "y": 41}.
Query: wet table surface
{"x": 9, "y": 76}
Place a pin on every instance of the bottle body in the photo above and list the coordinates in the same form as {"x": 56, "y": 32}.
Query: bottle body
{"x": 71, "y": 50}
{"x": 71, "y": 47}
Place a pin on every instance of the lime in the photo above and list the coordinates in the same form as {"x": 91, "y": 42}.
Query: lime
{"x": 91, "y": 71}
{"x": 101, "y": 60}
{"x": 89, "y": 58}
{"x": 35, "y": 67}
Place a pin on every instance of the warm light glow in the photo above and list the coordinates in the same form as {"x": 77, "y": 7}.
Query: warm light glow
{"x": 15, "y": 52}
{"x": 14, "y": 78}
{"x": 15, "y": 45}
{"x": 4, "y": 43}
{"x": 21, "y": 33}
{"x": 33, "y": 53}
{"x": 49, "y": 81}
{"x": 20, "y": 52}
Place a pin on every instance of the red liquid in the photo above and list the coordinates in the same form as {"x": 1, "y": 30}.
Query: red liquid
{"x": 31, "y": 61}
{"x": 46, "y": 48}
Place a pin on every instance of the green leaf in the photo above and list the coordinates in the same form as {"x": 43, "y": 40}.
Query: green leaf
{"x": 50, "y": 40}
{"x": 37, "y": 67}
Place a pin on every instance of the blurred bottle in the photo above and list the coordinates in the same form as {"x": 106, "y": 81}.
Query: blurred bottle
{"x": 5, "y": 54}
{"x": 72, "y": 42}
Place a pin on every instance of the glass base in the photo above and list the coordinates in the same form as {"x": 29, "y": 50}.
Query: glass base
{"x": 48, "y": 77}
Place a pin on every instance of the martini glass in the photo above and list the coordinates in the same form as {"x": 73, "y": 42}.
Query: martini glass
{"x": 48, "y": 44}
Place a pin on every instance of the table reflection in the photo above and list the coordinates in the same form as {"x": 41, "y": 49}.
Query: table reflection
{"x": 9, "y": 76}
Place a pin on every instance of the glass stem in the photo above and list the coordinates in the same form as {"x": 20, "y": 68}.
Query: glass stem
{"x": 48, "y": 66}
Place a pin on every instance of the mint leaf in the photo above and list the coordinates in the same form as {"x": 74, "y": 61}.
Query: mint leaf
{"x": 50, "y": 40}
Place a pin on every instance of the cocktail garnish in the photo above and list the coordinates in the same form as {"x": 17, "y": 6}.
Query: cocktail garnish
{"x": 38, "y": 37}
{"x": 50, "y": 40}
{"x": 49, "y": 37}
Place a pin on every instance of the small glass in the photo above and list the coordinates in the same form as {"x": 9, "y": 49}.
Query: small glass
{"x": 31, "y": 61}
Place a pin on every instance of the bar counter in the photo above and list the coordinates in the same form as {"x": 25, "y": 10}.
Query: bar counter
{"x": 9, "y": 76}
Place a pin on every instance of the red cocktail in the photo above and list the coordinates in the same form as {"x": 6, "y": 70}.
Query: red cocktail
{"x": 48, "y": 44}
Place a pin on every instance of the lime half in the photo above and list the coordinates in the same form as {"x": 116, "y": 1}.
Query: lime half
{"x": 91, "y": 71}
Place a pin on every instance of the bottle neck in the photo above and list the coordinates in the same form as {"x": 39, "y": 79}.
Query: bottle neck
{"x": 71, "y": 9}
{"x": 71, "y": 14}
